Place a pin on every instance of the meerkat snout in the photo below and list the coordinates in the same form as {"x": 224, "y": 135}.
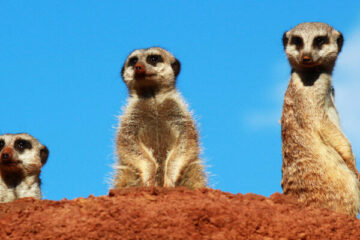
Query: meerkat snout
{"x": 305, "y": 59}
{"x": 7, "y": 157}
{"x": 140, "y": 69}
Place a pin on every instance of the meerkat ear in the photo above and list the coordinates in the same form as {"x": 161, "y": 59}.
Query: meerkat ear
{"x": 340, "y": 41}
{"x": 285, "y": 40}
{"x": 44, "y": 154}
{"x": 122, "y": 71}
{"x": 176, "y": 67}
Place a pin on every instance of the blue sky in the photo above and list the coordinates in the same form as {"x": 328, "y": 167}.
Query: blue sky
{"x": 60, "y": 81}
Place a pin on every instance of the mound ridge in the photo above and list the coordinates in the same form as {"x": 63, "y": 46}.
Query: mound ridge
{"x": 172, "y": 213}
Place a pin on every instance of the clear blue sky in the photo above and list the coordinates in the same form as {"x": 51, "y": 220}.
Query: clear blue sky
{"x": 60, "y": 80}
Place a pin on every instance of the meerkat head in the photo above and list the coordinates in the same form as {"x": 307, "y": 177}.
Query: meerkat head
{"x": 312, "y": 45}
{"x": 151, "y": 68}
{"x": 21, "y": 153}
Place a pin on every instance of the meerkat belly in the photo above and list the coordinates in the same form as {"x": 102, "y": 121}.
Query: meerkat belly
{"x": 158, "y": 132}
{"x": 158, "y": 136}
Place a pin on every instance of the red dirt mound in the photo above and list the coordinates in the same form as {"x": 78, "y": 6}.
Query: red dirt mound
{"x": 178, "y": 213}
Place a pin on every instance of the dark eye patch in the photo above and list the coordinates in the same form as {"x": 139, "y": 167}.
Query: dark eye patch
{"x": 133, "y": 61}
{"x": 297, "y": 41}
{"x": 320, "y": 40}
{"x": 2, "y": 144}
{"x": 21, "y": 144}
{"x": 154, "y": 59}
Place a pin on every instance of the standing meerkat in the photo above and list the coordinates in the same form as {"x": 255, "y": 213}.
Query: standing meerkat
{"x": 21, "y": 159}
{"x": 157, "y": 141}
{"x": 318, "y": 163}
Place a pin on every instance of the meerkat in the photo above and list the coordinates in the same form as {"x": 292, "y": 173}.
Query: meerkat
{"x": 318, "y": 163}
{"x": 157, "y": 141}
{"x": 21, "y": 159}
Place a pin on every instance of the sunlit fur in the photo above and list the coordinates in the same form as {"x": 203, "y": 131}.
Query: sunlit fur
{"x": 157, "y": 141}
{"x": 318, "y": 163}
{"x": 23, "y": 179}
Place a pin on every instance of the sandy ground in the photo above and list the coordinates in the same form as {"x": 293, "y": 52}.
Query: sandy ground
{"x": 177, "y": 213}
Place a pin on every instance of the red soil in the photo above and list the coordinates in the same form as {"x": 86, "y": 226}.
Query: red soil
{"x": 179, "y": 213}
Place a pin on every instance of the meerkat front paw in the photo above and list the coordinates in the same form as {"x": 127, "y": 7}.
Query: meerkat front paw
{"x": 148, "y": 182}
{"x": 349, "y": 156}
{"x": 168, "y": 182}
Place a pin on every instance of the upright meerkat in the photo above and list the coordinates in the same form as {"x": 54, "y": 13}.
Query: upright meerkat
{"x": 157, "y": 141}
{"x": 21, "y": 159}
{"x": 318, "y": 163}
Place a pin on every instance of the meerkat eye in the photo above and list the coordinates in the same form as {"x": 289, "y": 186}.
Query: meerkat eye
{"x": 154, "y": 59}
{"x": 133, "y": 61}
{"x": 21, "y": 144}
{"x": 2, "y": 144}
{"x": 320, "y": 40}
{"x": 297, "y": 41}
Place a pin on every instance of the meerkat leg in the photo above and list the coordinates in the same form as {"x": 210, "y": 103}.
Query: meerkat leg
{"x": 173, "y": 165}
{"x": 144, "y": 168}
{"x": 179, "y": 162}
{"x": 127, "y": 177}
{"x": 193, "y": 176}
{"x": 140, "y": 160}
{"x": 333, "y": 136}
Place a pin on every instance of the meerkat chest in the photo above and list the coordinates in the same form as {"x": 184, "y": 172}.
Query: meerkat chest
{"x": 154, "y": 115}
{"x": 7, "y": 194}
{"x": 30, "y": 189}
{"x": 314, "y": 103}
{"x": 159, "y": 124}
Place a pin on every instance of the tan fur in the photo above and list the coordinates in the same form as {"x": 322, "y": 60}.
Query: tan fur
{"x": 318, "y": 163}
{"x": 157, "y": 141}
{"x": 20, "y": 169}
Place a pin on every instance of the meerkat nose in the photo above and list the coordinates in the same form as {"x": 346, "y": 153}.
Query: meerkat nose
{"x": 5, "y": 156}
{"x": 306, "y": 59}
{"x": 139, "y": 68}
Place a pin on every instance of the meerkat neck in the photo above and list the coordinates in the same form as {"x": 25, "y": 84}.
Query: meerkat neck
{"x": 12, "y": 179}
{"x": 310, "y": 77}
{"x": 151, "y": 92}
{"x": 146, "y": 92}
